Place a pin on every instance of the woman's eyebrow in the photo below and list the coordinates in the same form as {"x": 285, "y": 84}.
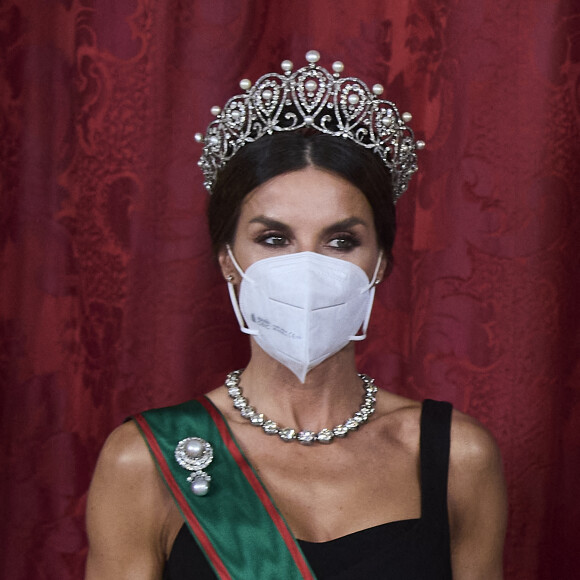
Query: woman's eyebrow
{"x": 340, "y": 225}
{"x": 345, "y": 224}
{"x": 269, "y": 223}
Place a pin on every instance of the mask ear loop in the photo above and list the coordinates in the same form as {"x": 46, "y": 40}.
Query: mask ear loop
{"x": 371, "y": 290}
{"x": 234, "y": 299}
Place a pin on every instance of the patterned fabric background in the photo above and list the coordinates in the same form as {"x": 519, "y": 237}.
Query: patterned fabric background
{"x": 111, "y": 302}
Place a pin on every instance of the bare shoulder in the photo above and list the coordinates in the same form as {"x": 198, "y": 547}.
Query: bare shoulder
{"x": 128, "y": 509}
{"x": 473, "y": 447}
{"x": 475, "y": 464}
{"x": 125, "y": 452}
{"x": 477, "y": 501}
{"x": 126, "y": 474}
{"x": 474, "y": 450}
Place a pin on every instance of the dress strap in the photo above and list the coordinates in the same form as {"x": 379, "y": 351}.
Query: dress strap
{"x": 435, "y": 444}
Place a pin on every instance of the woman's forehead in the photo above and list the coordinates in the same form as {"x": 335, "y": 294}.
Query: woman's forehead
{"x": 307, "y": 193}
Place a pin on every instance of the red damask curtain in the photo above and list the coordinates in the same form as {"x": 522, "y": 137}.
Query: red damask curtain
{"x": 111, "y": 303}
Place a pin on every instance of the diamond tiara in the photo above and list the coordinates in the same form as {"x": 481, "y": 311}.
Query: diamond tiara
{"x": 312, "y": 98}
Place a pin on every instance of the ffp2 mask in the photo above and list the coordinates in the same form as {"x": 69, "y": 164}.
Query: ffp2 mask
{"x": 303, "y": 307}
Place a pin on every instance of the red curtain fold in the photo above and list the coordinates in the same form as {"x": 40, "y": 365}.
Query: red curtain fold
{"x": 111, "y": 302}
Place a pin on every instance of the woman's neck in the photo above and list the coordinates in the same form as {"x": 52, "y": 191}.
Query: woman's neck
{"x": 331, "y": 393}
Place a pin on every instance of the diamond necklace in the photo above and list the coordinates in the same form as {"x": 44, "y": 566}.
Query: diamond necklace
{"x": 305, "y": 437}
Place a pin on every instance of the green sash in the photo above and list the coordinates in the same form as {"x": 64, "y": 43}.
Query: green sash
{"x": 237, "y": 525}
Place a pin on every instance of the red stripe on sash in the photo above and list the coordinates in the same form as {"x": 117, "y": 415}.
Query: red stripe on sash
{"x": 186, "y": 510}
{"x": 258, "y": 488}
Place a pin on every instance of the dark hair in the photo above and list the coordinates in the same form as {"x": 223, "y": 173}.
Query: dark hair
{"x": 281, "y": 153}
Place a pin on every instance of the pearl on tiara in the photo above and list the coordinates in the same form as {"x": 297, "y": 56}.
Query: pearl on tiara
{"x": 312, "y": 56}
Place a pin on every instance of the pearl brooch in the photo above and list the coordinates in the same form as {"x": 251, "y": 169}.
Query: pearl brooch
{"x": 195, "y": 454}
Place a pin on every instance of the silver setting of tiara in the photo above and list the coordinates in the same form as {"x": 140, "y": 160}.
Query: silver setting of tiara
{"x": 311, "y": 97}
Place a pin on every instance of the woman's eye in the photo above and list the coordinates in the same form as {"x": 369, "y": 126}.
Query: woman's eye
{"x": 272, "y": 240}
{"x": 343, "y": 243}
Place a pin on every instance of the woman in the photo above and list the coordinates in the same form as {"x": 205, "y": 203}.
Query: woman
{"x": 281, "y": 485}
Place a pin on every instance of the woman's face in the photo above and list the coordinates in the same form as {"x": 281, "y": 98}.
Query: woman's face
{"x": 306, "y": 210}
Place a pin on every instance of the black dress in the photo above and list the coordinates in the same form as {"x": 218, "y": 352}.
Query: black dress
{"x": 417, "y": 549}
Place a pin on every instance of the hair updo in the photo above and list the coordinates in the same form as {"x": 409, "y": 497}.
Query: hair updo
{"x": 273, "y": 155}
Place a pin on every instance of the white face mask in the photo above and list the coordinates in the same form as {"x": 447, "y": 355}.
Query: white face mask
{"x": 302, "y": 308}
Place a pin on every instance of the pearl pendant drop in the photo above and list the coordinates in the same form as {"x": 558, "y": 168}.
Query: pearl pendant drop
{"x": 200, "y": 486}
